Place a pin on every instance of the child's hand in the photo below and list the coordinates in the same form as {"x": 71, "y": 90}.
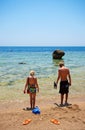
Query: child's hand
{"x": 38, "y": 89}
{"x": 69, "y": 84}
{"x": 24, "y": 91}
{"x": 55, "y": 85}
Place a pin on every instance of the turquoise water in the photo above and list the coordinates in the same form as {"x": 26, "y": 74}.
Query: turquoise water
{"x": 39, "y": 59}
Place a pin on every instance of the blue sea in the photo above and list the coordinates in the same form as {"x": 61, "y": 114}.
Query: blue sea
{"x": 16, "y": 63}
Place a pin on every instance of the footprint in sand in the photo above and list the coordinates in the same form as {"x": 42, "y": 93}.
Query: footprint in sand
{"x": 74, "y": 107}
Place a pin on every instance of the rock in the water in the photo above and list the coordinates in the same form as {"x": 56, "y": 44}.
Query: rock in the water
{"x": 58, "y": 54}
{"x": 22, "y": 63}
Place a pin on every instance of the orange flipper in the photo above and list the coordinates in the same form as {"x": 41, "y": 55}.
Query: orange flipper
{"x": 55, "y": 121}
{"x": 27, "y": 121}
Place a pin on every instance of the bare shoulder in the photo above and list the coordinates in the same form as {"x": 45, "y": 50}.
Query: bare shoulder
{"x": 67, "y": 69}
{"x": 63, "y": 69}
{"x": 35, "y": 77}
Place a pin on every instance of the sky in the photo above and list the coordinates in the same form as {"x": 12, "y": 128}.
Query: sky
{"x": 42, "y": 22}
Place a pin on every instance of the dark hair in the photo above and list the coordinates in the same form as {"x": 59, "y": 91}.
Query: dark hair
{"x": 61, "y": 63}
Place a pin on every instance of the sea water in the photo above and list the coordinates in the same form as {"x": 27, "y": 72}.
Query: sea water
{"x": 16, "y": 63}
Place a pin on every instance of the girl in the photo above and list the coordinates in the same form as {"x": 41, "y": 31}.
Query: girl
{"x": 31, "y": 85}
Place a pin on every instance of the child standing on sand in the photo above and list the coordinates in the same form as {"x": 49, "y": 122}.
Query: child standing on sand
{"x": 31, "y": 85}
{"x": 65, "y": 81}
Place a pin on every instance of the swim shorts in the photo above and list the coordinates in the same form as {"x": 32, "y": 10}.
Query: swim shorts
{"x": 32, "y": 89}
{"x": 64, "y": 87}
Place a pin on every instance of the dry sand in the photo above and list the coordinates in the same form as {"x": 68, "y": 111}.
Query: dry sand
{"x": 72, "y": 117}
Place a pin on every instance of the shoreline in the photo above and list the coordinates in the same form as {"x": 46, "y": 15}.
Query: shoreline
{"x": 15, "y": 91}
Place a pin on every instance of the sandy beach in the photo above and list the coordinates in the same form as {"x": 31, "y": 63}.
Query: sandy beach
{"x": 12, "y": 102}
{"x": 72, "y": 117}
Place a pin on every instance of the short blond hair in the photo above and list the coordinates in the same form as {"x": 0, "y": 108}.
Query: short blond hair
{"x": 32, "y": 72}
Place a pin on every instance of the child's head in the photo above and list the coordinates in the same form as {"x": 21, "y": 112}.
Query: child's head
{"x": 61, "y": 63}
{"x": 32, "y": 73}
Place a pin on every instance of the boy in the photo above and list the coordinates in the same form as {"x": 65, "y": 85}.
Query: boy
{"x": 65, "y": 80}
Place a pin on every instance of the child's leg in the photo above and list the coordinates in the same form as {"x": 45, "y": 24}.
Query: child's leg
{"x": 62, "y": 96}
{"x": 33, "y": 99}
{"x": 66, "y": 97}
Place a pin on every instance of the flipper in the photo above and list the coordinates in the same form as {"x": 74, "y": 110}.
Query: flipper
{"x": 63, "y": 105}
{"x": 59, "y": 105}
{"x": 27, "y": 109}
{"x": 67, "y": 104}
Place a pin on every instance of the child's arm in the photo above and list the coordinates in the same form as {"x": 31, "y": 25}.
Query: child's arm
{"x": 25, "y": 86}
{"x": 58, "y": 77}
{"x": 37, "y": 86}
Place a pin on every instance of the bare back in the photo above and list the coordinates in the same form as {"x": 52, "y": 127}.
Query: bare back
{"x": 32, "y": 80}
{"x": 63, "y": 73}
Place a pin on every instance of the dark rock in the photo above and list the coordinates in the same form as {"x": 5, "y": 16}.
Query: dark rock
{"x": 22, "y": 63}
{"x": 58, "y": 54}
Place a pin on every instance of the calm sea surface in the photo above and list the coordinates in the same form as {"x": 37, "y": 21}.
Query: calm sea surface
{"x": 16, "y": 62}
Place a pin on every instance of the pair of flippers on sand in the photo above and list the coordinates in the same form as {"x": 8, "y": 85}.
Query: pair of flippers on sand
{"x": 55, "y": 121}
